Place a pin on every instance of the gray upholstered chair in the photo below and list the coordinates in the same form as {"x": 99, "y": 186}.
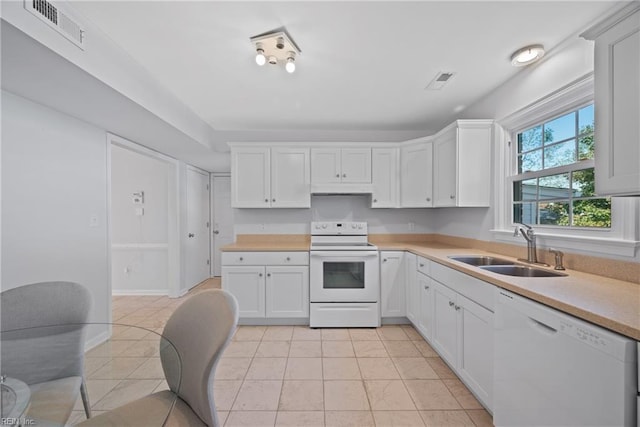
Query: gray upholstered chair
{"x": 197, "y": 333}
{"x": 43, "y": 346}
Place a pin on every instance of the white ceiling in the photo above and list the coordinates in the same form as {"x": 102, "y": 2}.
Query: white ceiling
{"x": 364, "y": 64}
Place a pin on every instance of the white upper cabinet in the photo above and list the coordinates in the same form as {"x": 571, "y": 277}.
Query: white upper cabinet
{"x": 416, "y": 179}
{"x": 270, "y": 177}
{"x": 617, "y": 102}
{"x": 290, "y": 178}
{"x": 462, "y": 164}
{"x": 385, "y": 178}
{"x": 341, "y": 165}
{"x": 326, "y": 166}
{"x": 250, "y": 177}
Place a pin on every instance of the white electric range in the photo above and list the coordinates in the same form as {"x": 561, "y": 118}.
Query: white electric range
{"x": 344, "y": 276}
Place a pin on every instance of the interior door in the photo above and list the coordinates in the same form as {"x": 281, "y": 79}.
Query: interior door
{"x": 222, "y": 231}
{"x": 197, "y": 242}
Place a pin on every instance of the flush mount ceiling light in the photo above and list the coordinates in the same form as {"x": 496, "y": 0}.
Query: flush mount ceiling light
{"x": 276, "y": 47}
{"x": 527, "y": 55}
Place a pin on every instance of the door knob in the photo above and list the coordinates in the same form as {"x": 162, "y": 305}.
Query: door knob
{"x": 191, "y": 235}
{"x": 216, "y": 231}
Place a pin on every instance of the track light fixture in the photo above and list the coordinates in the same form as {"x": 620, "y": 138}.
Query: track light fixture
{"x": 276, "y": 48}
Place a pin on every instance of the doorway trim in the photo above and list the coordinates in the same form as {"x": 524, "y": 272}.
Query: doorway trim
{"x": 212, "y": 219}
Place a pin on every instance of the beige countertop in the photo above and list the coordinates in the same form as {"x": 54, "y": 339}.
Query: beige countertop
{"x": 610, "y": 303}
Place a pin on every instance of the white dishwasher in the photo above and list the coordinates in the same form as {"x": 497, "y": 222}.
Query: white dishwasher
{"x": 552, "y": 369}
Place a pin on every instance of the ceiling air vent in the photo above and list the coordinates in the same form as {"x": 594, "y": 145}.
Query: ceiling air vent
{"x": 57, "y": 19}
{"x": 441, "y": 79}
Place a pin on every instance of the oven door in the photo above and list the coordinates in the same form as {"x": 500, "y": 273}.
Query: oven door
{"x": 344, "y": 276}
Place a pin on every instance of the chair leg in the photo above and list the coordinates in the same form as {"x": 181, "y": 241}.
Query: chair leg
{"x": 85, "y": 399}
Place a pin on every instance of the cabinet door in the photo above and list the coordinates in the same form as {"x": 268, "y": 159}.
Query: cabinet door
{"x": 247, "y": 284}
{"x": 412, "y": 294}
{"x": 445, "y": 168}
{"x": 290, "y": 178}
{"x": 416, "y": 183}
{"x": 392, "y": 281}
{"x": 425, "y": 319}
{"x": 444, "y": 333}
{"x": 617, "y": 108}
{"x": 385, "y": 178}
{"x": 287, "y": 291}
{"x": 475, "y": 348}
{"x": 250, "y": 177}
{"x": 356, "y": 165}
{"x": 325, "y": 166}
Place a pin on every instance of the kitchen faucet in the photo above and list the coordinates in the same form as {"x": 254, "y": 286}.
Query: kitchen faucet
{"x": 529, "y": 235}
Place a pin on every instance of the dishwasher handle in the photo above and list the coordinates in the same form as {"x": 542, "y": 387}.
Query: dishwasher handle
{"x": 542, "y": 326}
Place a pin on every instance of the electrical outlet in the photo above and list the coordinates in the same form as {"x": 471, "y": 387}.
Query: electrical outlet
{"x": 412, "y": 226}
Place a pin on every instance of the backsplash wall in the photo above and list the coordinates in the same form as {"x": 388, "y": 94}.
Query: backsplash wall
{"x": 333, "y": 208}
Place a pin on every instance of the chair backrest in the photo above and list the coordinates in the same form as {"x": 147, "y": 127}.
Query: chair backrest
{"x": 32, "y": 349}
{"x": 199, "y": 329}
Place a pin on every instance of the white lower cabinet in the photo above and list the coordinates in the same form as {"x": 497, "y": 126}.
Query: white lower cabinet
{"x": 274, "y": 285}
{"x": 426, "y": 292}
{"x": 475, "y": 348}
{"x": 247, "y": 285}
{"x": 445, "y": 323}
{"x": 412, "y": 292}
{"x": 287, "y": 292}
{"x": 453, "y": 311}
{"x": 393, "y": 287}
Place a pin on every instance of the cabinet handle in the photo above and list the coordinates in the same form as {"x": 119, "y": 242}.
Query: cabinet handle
{"x": 288, "y": 259}
{"x": 268, "y": 274}
{"x": 384, "y": 260}
{"x": 451, "y": 303}
{"x": 241, "y": 259}
{"x": 266, "y": 200}
{"x": 452, "y": 196}
{"x": 273, "y": 200}
{"x": 457, "y": 307}
{"x": 375, "y": 200}
{"x": 337, "y": 175}
{"x": 428, "y": 199}
{"x": 421, "y": 265}
{"x": 259, "y": 274}
{"x": 426, "y": 288}
{"x": 344, "y": 175}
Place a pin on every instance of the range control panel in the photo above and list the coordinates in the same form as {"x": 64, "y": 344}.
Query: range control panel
{"x": 333, "y": 228}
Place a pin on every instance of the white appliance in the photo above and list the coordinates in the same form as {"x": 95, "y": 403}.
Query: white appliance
{"x": 552, "y": 369}
{"x": 344, "y": 276}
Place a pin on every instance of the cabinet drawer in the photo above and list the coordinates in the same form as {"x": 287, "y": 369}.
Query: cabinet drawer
{"x": 474, "y": 289}
{"x": 424, "y": 266}
{"x": 265, "y": 258}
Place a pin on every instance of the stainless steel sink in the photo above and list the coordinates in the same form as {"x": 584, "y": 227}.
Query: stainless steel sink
{"x": 521, "y": 271}
{"x": 480, "y": 260}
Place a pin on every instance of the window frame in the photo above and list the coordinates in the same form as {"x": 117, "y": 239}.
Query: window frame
{"x": 619, "y": 240}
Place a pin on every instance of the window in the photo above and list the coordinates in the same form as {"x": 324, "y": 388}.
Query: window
{"x": 554, "y": 181}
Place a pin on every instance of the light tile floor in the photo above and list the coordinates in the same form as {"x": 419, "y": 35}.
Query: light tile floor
{"x": 290, "y": 375}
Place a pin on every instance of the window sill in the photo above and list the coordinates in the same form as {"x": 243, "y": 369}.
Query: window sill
{"x": 592, "y": 245}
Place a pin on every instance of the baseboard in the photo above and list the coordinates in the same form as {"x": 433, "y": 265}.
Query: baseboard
{"x": 97, "y": 340}
{"x": 139, "y": 292}
{"x": 395, "y": 321}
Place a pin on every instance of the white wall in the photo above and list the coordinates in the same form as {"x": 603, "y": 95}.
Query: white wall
{"x": 54, "y": 181}
{"x": 333, "y": 208}
{"x": 139, "y": 242}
